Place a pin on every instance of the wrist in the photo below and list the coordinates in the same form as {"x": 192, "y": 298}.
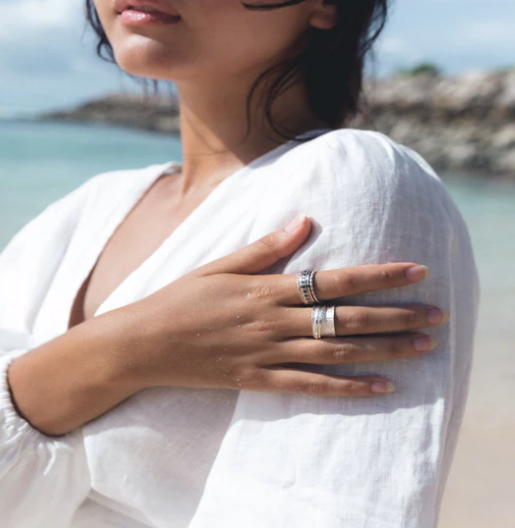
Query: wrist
{"x": 133, "y": 342}
{"x": 118, "y": 348}
{"x": 72, "y": 379}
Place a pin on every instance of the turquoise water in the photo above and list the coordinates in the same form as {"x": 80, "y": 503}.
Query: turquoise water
{"x": 39, "y": 163}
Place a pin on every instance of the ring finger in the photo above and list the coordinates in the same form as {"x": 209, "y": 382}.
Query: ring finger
{"x": 352, "y": 320}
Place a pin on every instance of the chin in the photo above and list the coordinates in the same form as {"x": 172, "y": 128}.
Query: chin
{"x": 146, "y": 59}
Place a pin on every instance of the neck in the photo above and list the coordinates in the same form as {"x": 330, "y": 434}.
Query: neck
{"x": 213, "y": 125}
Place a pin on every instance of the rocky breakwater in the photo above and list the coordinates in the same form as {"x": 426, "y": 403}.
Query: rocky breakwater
{"x": 154, "y": 113}
{"x": 463, "y": 123}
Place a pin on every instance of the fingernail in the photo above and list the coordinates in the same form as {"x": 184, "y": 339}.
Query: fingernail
{"x": 417, "y": 273}
{"x": 435, "y": 316}
{"x": 423, "y": 343}
{"x": 295, "y": 223}
{"x": 382, "y": 386}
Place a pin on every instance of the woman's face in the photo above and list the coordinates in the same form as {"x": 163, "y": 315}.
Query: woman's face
{"x": 213, "y": 38}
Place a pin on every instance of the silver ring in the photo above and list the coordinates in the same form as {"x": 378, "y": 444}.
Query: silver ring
{"x": 322, "y": 321}
{"x": 312, "y": 288}
{"x": 327, "y": 324}
{"x": 305, "y": 287}
{"x": 315, "y": 321}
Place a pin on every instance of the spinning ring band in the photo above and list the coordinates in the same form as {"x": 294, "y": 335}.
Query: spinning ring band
{"x": 305, "y": 287}
{"x": 322, "y": 321}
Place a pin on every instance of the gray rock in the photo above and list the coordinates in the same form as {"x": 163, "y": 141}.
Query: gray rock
{"x": 464, "y": 123}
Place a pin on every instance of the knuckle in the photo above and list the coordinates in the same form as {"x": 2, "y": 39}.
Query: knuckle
{"x": 411, "y": 319}
{"x": 268, "y": 244}
{"x": 357, "y": 318}
{"x": 262, "y": 293}
{"x": 392, "y": 348}
{"x": 245, "y": 376}
{"x": 343, "y": 282}
{"x": 315, "y": 388}
{"x": 229, "y": 373}
{"x": 387, "y": 278}
{"x": 264, "y": 326}
{"x": 353, "y": 388}
{"x": 295, "y": 387}
{"x": 343, "y": 352}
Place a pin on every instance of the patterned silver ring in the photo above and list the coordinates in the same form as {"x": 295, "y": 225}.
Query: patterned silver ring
{"x": 322, "y": 321}
{"x": 305, "y": 287}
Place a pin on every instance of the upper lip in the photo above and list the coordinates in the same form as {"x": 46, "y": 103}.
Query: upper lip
{"x": 158, "y": 5}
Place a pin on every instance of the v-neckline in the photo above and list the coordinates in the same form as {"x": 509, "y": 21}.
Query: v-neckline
{"x": 125, "y": 207}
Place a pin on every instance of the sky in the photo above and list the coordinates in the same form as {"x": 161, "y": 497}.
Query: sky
{"x": 48, "y": 61}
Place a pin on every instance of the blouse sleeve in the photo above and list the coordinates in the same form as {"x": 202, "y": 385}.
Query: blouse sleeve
{"x": 301, "y": 461}
{"x": 43, "y": 479}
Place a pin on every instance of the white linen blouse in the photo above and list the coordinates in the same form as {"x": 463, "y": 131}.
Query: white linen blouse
{"x": 174, "y": 457}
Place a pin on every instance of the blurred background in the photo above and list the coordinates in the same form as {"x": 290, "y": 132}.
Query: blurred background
{"x": 443, "y": 83}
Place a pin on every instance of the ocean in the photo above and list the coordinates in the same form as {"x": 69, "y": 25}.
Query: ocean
{"x": 40, "y": 162}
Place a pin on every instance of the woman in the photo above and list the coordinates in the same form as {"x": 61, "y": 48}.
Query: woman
{"x": 160, "y": 364}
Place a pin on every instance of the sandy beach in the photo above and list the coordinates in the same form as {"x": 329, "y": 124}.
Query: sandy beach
{"x": 480, "y": 491}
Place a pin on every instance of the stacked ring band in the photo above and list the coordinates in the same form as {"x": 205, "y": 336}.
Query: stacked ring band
{"x": 322, "y": 315}
{"x": 305, "y": 287}
{"x": 322, "y": 321}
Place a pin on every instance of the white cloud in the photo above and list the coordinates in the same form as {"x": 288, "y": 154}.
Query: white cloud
{"x": 40, "y": 37}
{"x": 46, "y": 57}
{"x": 21, "y": 17}
{"x": 489, "y": 33}
{"x": 392, "y": 46}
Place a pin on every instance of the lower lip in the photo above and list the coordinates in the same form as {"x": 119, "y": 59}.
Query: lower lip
{"x": 131, "y": 17}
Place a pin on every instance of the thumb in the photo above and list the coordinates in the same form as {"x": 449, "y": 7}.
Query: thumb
{"x": 264, "y": 252}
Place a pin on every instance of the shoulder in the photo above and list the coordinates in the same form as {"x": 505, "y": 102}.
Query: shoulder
{"x": 365, "y": 166}
{"x": 379, "y": 199}
{"x": 372, "y": 156}
{"x": 367, "y": 182}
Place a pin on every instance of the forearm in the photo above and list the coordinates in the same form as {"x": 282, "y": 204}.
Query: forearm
{"x": 77, "y": 376}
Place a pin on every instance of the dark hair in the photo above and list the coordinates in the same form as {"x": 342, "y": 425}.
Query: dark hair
{"x": 332, "y": 63}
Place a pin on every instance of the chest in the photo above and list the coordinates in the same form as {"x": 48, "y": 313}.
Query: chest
{"x": 148, "y": 224}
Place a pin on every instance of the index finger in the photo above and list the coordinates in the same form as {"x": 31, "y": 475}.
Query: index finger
{"x": 340, "y": 282}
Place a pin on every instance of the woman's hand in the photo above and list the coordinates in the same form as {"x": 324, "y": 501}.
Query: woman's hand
{"x": 223, "y": 326}
{"x": 220, "y": 326}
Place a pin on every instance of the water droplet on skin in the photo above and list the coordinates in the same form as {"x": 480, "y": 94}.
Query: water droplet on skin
{"x": 198, "y": 334}
{"x": 237, "y": 317}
